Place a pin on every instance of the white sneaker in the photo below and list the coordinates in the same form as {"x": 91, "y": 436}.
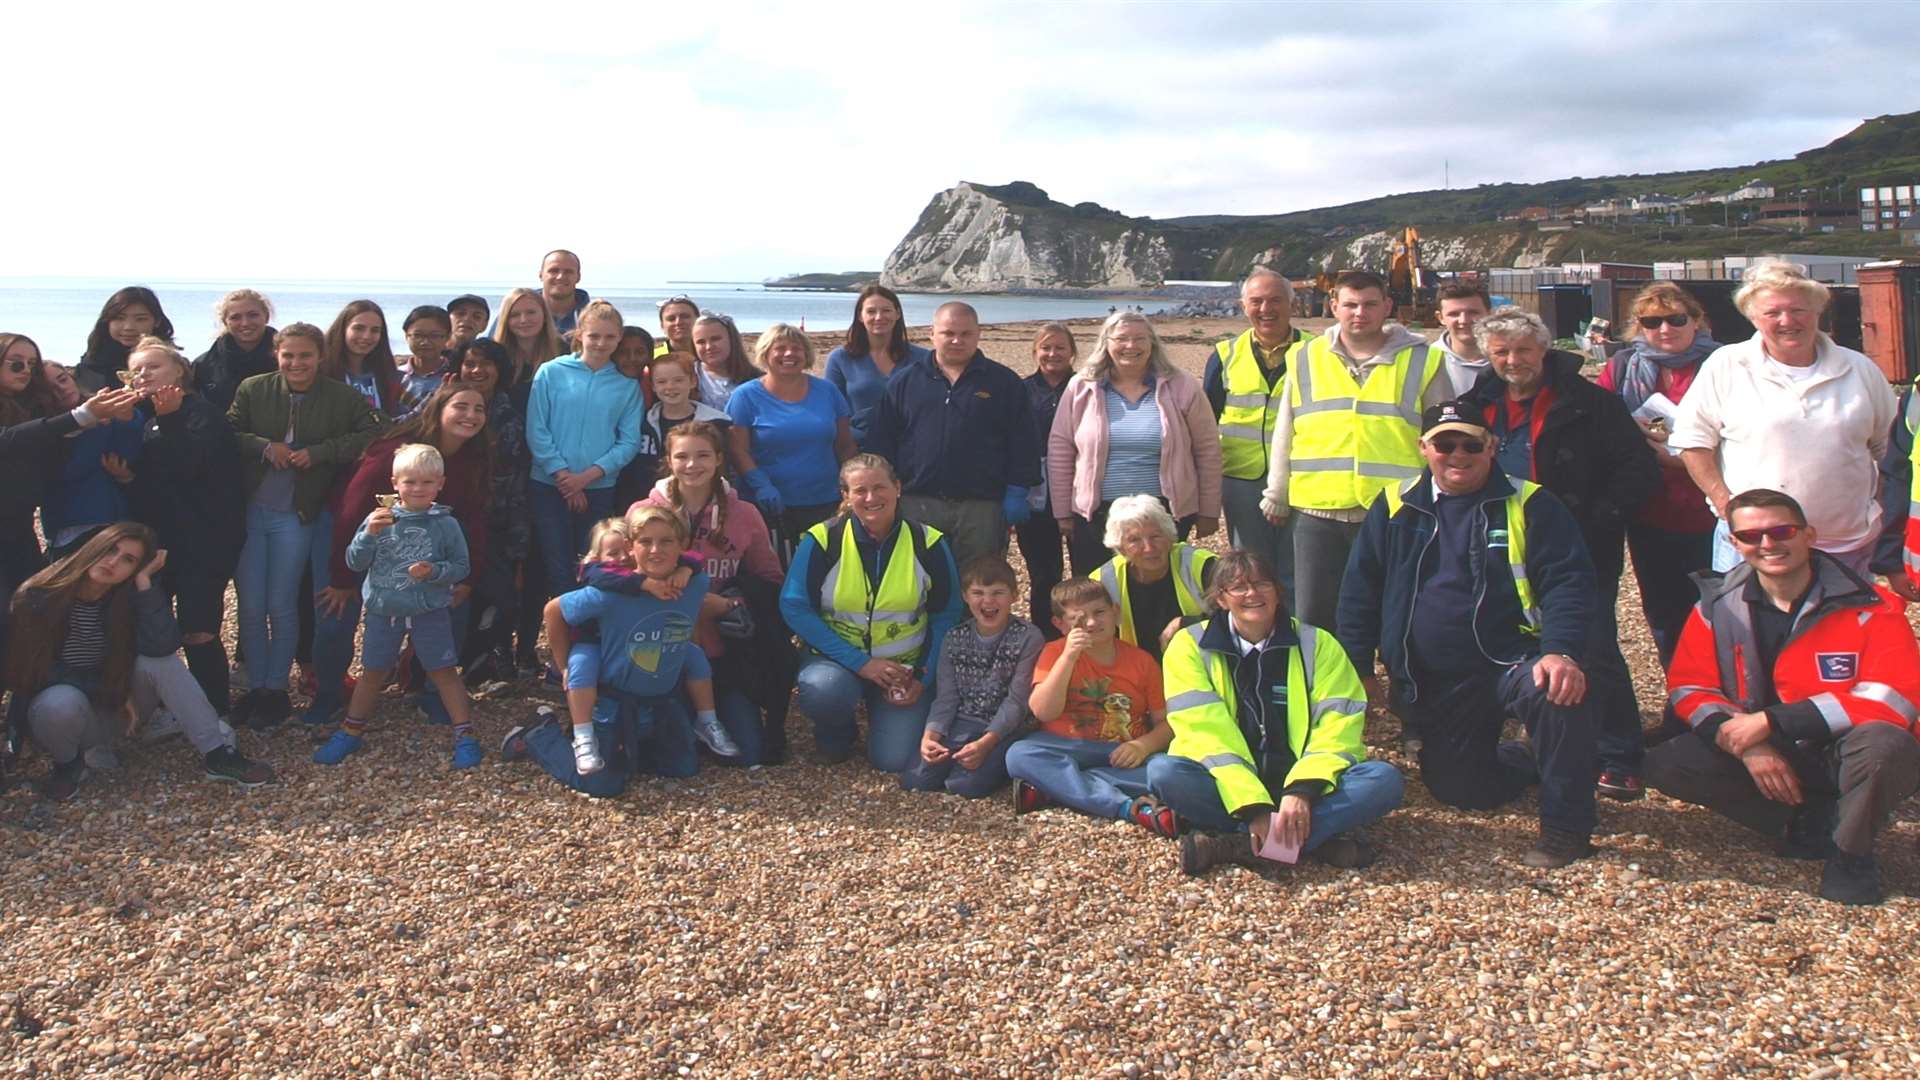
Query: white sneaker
{"x": 237, "y": 677}
{"x": 101, "y": 758}
{"x": 586, "y": 754}
{"x": 714, "y": 737}
{"x": 161, "y": 725}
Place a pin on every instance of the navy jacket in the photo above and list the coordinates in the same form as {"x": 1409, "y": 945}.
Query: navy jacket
{"x": 1383, "y": 573}
{"x": 967, "y": 440}
{"x": 1896, "y": 489}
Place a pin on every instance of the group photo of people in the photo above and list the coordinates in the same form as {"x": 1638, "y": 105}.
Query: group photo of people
{"x": 1082, "y": 578}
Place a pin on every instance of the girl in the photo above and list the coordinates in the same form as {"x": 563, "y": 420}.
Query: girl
{"x": 485, "y": 366}
{"x": 243, "y": 350}
{"x": 357, "y": 353}
{"x": 723, "y": 359}
{"x": 677, "y": 314}
{"x": 876, "y": 345}
{"x": 673, "y": 387}
{"x": 126, "y": 317}
{"x": 526, "y": 329}
{"x": 634, "y": 358}
{"x": 428, "y": 329}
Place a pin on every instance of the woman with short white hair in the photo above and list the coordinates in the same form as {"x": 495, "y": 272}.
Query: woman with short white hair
{"x": 1155, "y": 581}
{"x": 1789, "y": 409}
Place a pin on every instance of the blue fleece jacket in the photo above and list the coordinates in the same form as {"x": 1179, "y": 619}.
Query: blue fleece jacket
{"x": 84, "y": 493}
{"x": 430, "y": 536}
{"x": 578, "y": 418}
{"x": 645, "y": 643}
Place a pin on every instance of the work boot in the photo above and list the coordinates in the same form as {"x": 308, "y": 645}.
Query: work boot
{"x": 1200, "y": 851}
{"x": 1851, "y": 879}
{"x": 1556, "y": 849}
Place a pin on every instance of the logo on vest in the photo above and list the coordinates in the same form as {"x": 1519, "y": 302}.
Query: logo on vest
{"x": 1837, "y": 666}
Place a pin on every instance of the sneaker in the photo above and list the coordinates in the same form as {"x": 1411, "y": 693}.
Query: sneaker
{"x": 1621, "y": 786}
{"x": 1345, "y": 850}
{"x": 1809, "y": 832}
{"x": 514, "y": 746}
{"x": 550, "y": 676}
{"x": 324, "y": 711}
{"x": 1556, "y": 849}
{"x": 586, "y": 754}
{"x": 237, "y": 677}
{"x": 484, "y": 669}
{"x": 1027, "y": 798}
{"x": 270, "y": 709}
{"x": 1201, "y": 852}
{"x": 337, "y": 748}
{"x": 1851, "y": 879}
{"x": 713, "y": 736}
{"x": 161, "y": 725}
{"x": 1154, "y": 816}
{"x": 226, "y": 764}
{"x": 466, "y": 752}
{"x": 101, "y": 758}
{"x": 64, "y": 781}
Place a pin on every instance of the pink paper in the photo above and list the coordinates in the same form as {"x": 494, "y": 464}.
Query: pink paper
{"x": 1273, "y": 848}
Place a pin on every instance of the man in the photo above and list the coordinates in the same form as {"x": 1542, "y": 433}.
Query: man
{"x": 1462, "y": 304}
{"x": 559, "y": 284}
{"x": 469, "y": 314}
{"x": 1477, "y": 593}
{"x": 959, "y": 431}
{"x": 1800, "y": 680}
{"x": 1347, "y": 429}
{"x": 1244, "y": 382}
{"x": 1578, "y": 441}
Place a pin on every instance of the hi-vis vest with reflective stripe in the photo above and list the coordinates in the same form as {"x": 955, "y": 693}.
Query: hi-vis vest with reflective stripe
{"x": 1186, "y": 562}
{"x": 1513, "y": 537}
{"x": 889, "y": 622}
{"x": 1350, "y": 443}
{"x": 1246, "y": 424}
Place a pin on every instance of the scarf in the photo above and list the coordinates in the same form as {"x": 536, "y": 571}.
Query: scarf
{"x": 1640, "y": 374}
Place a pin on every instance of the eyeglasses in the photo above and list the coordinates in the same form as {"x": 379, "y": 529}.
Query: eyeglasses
{"x": 1652, "y": 322}
{"x": 422, "y": 335}
{"x": 16, "y": 365}
{"x": 1448, "y": 445}
{"x": 1779, "y": 534}
{"x": 1249, "y": 588}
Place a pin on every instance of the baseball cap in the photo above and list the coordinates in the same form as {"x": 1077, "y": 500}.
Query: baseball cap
{"x": 469, "y": 298}
{"x": 1452, "y": 416}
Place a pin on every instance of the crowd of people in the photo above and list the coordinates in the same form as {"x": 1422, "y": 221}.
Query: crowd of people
{"x": 708, "y": 538}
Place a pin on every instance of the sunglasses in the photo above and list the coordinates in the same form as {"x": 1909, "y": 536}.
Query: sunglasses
{"x": 1446, "y": 444}
{"x": 17, "y": 366}
{"x": 1652, "y": 322}
{"x": 1779, "y": 534}
{"x": 682, "y": 298}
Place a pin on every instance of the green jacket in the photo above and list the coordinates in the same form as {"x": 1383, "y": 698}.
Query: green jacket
{"x": 334, "y": 425}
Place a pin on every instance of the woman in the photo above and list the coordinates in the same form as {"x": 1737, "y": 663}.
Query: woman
{"x": 359, "y": 355}
{"x": 876, "y": 344}
{"x": 187, "y": 489}
{"x": 1039, "y": 535}
{"x": 243, "y": 350}
{"x": 485, "y": 366}
{"x": 677, "y": 315}
{"x": 757, "y": 671}
{"x": 296, "y": 431}
{"x": 1672, "y": 536}
{"x": 790, "y": 434}
{"x": 1155, "y": 581}
{"x": 453, "y": 421}
{"x": 1131, "y": 422}
{"x": 94, "y": 636}
{"x": 1790, "y": 410}
{"x": 126, "y": 317}
{"x": 526, "y": 330}
{"x": 872, "y": 595}
{"x": 722, "y": 356}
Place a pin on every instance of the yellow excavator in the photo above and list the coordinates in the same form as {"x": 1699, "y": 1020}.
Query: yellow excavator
{"x": 1409, "y": 283}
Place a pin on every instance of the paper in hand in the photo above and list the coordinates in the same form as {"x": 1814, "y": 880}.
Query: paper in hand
{"x": 1273, "y": 848}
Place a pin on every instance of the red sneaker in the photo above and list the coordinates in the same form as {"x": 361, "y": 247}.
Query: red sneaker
{"x": 1621, "y": 786}
{"x": 1027, "y": 798}
{"x": 1154, "y": 816}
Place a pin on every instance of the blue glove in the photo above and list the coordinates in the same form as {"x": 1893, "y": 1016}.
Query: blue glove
{"x": 1013, "y": 505}
{"x": 765, "y": 495}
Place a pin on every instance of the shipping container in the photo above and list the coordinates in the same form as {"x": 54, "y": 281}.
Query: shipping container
{"x": 1890, "y": 317}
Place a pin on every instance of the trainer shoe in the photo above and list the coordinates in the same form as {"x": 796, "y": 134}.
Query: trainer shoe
{"x": 228, "y": 765}
{"x": 1154, "y": 816}
{"x": 514, "y": 746}
{"x": 466, "y": 752}
{"x": 64, "y": 781}
{"x": 712, "y": 736}
{"x": 1202, "y": 851}
{"x": 101, "y": 758}
{"x": 270, "y": 709}
{"x": 586, "y": 754}
{"x": 1621, "y": 786}
{"x": 336, "y": 749}
{"x": 1556, "y": 849}
{"x": 1344, "y": 850}
{"x": 1809, "y": 832}
{"x": 1027, "y": 798}
{"x": 1851, "y": 879}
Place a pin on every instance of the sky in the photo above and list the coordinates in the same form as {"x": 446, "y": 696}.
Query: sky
{"x": 717, "y": 140}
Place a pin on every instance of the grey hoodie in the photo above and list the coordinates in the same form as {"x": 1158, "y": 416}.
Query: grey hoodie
{"x": 430, "y": 536}
{"x": 1463, "y": 372}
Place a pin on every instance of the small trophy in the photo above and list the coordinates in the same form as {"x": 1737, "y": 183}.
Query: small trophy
{"x": 127, "y": 378}
{"x": 387, "y": 502}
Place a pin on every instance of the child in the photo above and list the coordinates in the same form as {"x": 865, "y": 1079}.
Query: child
{"x": 674, "y": 403}
{"x": 413, "y": 555}
{"x": 979, "y": 706}
{"x": 634, "y": 357}
{"x": 427, "y": 329}
{"x": 1102, "y": 713}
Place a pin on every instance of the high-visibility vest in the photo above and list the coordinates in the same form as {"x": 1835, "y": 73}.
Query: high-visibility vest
{"x": 889, "y": 621}
{"x": 1246, "y": 424}
{"x": 1352, "y": 442}
{"x": 1513, "y": 536}
{"x": 1187, "y": 563}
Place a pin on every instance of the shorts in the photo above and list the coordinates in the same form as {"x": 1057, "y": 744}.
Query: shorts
{"x": 583, "y": 665}
{"x": 432, "y": 634}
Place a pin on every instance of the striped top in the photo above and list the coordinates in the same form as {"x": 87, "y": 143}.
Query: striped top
{"x": 1133, "y": 445}
{"x": 86, "y": 644}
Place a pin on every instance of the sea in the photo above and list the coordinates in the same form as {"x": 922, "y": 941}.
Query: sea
{"x": 59, "y": 314}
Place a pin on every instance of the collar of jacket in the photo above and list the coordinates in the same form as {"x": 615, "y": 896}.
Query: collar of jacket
{"x": 1834, "y": 587}
{"x": 1561, "y": 372}
{"x": 1219, "y": 635}
{"x": 1497, "y": 487}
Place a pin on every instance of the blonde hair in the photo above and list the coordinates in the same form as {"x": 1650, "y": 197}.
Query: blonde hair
{"x": 240, "y": 296}
{"x": 155, "y": 344}
{"x": 597, "y": 538}
{"x": 642, "y": 515}
{"x": 776, "y": 333}
{"x": 1665, "y": 296}
{"x": 600, "y": 311}
{"x": 711, "y": 434}
{"x": 546, "y": 343}
{"x": 1099, "y": 365}
{"x": 419, "y": 459}
{"x": 1778, "y": 275}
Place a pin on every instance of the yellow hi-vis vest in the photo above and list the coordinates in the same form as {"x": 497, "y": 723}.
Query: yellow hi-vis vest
{"x": 1350, "y": 443}
{"x": 1326, "y": 715}
{"x": 1186, "y": 562}
{"x": 889, "y": 622}
{"x": 1510, "y": 534}
{"x": 1246, "y": 424}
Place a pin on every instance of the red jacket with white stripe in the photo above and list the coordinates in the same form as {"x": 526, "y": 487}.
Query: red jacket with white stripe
{"x": 1850, "y": 659}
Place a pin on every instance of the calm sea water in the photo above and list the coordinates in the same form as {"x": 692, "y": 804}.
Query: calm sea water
{"x": 59, "y": 315}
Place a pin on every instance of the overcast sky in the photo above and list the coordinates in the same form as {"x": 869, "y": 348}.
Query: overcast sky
{"x": 450, "y": 142}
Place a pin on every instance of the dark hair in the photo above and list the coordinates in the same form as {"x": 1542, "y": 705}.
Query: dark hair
{"x": 1078, "y": 592}
{"x": 985, "y": 570}
{"x": 37, "y": 400}
{"x": 1236, "y": 567}
{"x": 1765, "y": 498}
{"x": 1359, "y": 279}
{"x": 696, "y": 429}
{"x": 857, "y": 343}
{"x": 427, "y": 311}
{"x": 379, "y": 363}
{"x": 43, "y": 602}
{"x": 494, "y": 353}
{"x": 630, "y": 334}
{"x": 105, "y": 353}
{"x": 1463, "y": 290}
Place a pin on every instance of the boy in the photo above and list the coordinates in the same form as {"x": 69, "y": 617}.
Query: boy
{"x": 469, "y": 314}
{"x": 413, "y": 554}
{"x": 1102, "y": 714}
{"x": 979, "y": 705}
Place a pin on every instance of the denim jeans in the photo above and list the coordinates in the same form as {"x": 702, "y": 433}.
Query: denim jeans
{"x": 267, "y": 592}
{"x": 828, "y": 695}
{"x": 1249, "y": 530}
{"x": 1618, "y": 733}
{"x": 1074, "y": 772}
{"x": 563, "y": 533}
{"x": 1366, "y": 793}
{"x": 955, "y": 778}
{"x": 659, "y": 730}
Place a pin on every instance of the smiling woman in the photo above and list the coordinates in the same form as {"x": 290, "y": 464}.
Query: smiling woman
{"x": 790, "y": 433}
{"x": 126, "y": 317}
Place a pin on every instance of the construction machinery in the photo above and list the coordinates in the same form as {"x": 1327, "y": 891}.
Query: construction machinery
{"x": 1409, "y": 283}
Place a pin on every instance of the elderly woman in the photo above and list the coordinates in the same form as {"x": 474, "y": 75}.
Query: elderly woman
{"x": 1131, "y": 422}
{"x": 790, "y": 433}
{"x": 872, "y": 595}
{"x": 876, "y": 345}
{"x": 1788, "y": 409}
{"x": 1155, "y": 581}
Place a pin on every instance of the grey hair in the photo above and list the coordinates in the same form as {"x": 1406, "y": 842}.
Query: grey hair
{"x": 1511, "y": 322}
{"x": 1778, "y": 275}
{"x": 1131, "y": 510}
{"x": 1099, "y": 366}
{"x": 1258, "y": 272}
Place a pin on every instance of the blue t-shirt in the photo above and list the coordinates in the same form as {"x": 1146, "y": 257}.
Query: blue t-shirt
{"x": 645, "y": 642}
{"x": 1133, "y": 445}
{"x": 859, "y": 378}
{"x": 792, "y": 441}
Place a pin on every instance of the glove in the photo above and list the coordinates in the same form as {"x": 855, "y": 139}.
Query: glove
{"x": 1013, "y": 506}
{"x": 765, "y": 495}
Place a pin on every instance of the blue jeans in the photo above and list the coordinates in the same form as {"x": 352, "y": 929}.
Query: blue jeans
{"x": 267, "y": 592}
{"x": 1366, "y": 793}
{"x": 951, "y": 776}
{"x": 652, "y": 734}
{"x": 562, "y": 534}
{"x": 1074, "y": 772}
{"x": 1249, "y": 530}
{"x": 828, "y": 695}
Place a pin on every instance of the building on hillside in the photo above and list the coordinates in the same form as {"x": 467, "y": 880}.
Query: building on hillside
{"x": 1806, "y": 213}
{"x": 1910, "y": 231}
{"x": 1886, "y": 208}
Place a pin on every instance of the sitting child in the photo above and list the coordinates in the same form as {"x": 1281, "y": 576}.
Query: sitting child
{"x": 1102, "y": 713}
{"x": 413, "y": 554}
{"x": 980, "y": 689}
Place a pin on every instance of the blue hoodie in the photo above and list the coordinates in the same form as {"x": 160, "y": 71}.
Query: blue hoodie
{"x": 645, "y": 643}
{"x": 432, "y": 536}
{"x": 578, "y": 418}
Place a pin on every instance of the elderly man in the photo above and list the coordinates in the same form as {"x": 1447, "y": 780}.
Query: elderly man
{"x": 1461, "y": 305}
{"x": 1244, "y": 381}
{"x": 1578, "y": 441}
{"x": 1800, "y": 679}
{"x": 959, "y": 430}
{"x": 1347, "y": 429}
{"x": 560, "y": 285}
{"x": 1477, "y": 593}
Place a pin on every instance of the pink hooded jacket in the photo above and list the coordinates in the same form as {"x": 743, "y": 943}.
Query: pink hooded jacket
{"x": 744, "y": 546}
{"x": 1189, "y": 448}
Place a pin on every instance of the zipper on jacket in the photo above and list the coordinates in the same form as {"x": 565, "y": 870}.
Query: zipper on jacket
{"x": 1406, "y": 632}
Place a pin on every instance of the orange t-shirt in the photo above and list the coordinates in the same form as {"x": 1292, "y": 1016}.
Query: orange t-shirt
{"x": 1107, "y": 703}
